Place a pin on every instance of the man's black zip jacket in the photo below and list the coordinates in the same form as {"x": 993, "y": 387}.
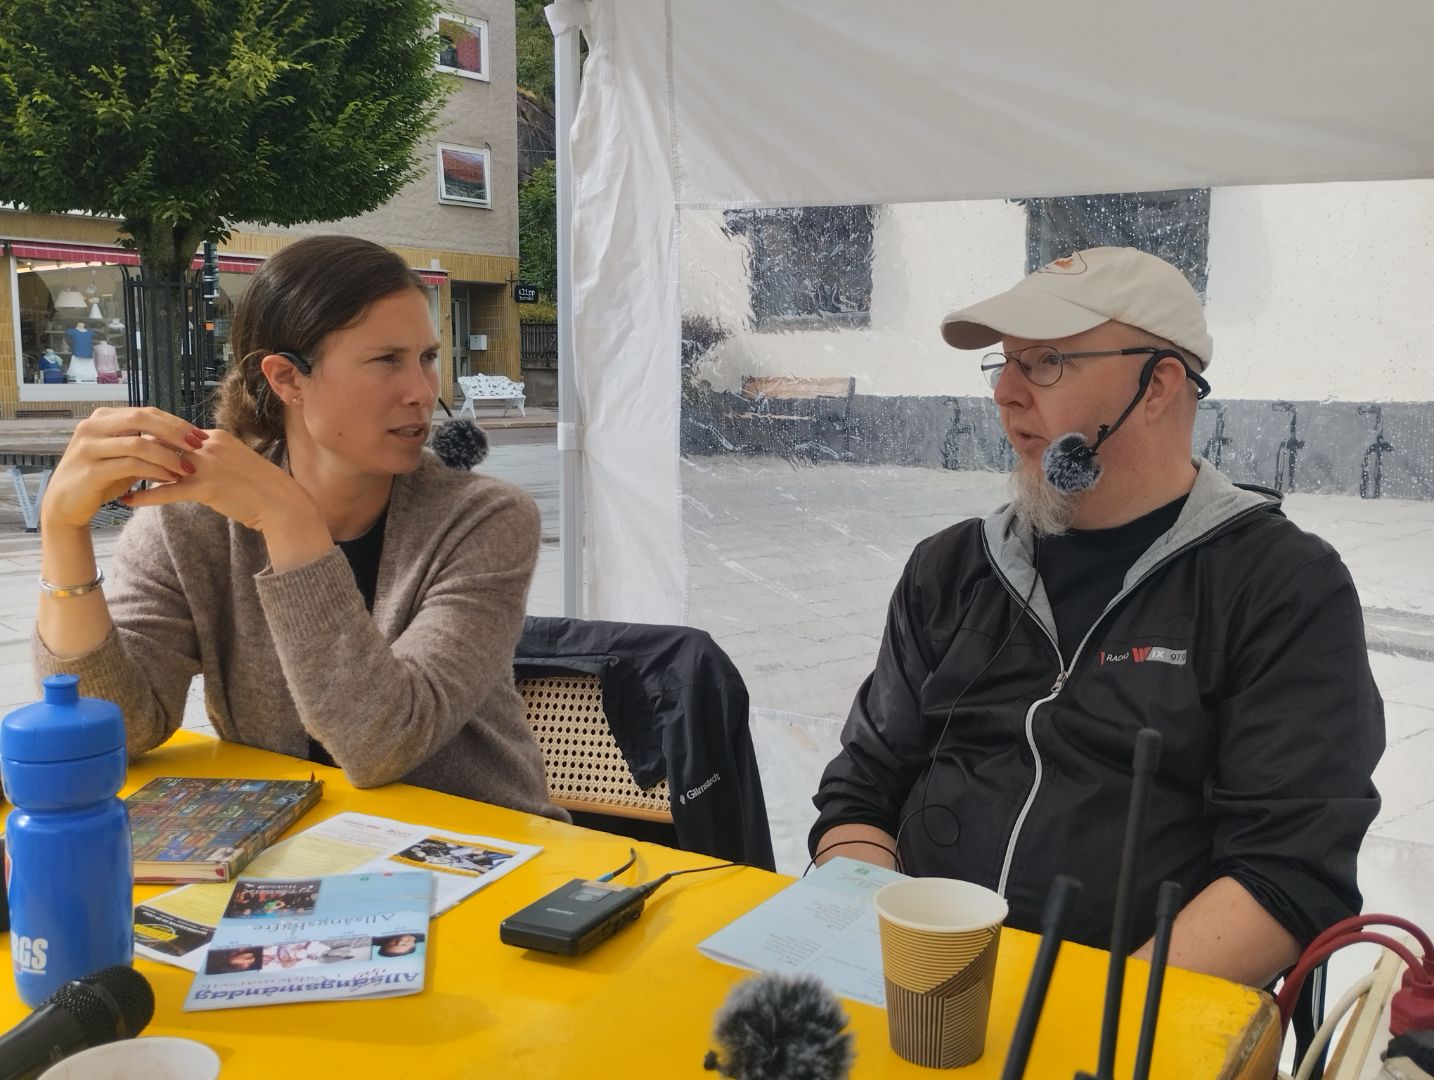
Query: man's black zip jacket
{"x": 1236, "y": 636}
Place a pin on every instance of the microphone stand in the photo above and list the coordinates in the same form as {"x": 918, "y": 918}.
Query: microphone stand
{"x": 1147, "y": 756}
{"x": 1166, "y": 905}
{"x": 1053, "y": 921}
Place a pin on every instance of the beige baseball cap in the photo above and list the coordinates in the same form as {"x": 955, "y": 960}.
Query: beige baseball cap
{"x": 1083, "y": 290}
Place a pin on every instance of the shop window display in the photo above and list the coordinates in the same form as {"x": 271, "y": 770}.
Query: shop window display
{"x": 71, "y": 325}
{"x": 72, "y": 332}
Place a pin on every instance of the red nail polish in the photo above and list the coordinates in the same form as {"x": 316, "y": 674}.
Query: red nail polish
{"x": 194, "y": 440}
{"x": 187, "y": 467}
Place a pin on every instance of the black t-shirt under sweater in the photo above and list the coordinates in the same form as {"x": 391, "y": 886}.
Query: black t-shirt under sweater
{"x": 1084, "y": 568}
{"x": 363, "y": 554}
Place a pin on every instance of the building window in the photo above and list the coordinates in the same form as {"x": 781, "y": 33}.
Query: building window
{"x": 462, "y": 46}
{"x": 1174, "y": 225}
{"x": 72, "y": 339}
{"x": 70, "y": 330}
{"x": 809, "y": 268}
{"x": 463, "y": 176}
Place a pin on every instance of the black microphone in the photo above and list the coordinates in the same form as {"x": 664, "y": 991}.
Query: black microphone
{"x": 781, "y": 1027}
{"x": 1053, "y": 921}
{"x": 112, "y": 1004}
{"x": 1069, "y": 462}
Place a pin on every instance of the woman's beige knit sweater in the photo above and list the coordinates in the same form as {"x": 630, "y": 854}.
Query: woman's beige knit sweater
{"x": 420, "y": 691}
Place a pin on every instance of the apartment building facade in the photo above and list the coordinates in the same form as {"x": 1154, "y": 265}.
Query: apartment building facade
{"x": 67, "y": 345}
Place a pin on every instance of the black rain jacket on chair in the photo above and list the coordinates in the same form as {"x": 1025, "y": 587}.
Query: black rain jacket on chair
{"x": 678, "y": 709}
{"x": 1236, "y": 635}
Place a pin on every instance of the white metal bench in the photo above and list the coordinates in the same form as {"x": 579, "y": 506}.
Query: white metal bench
{"x": 491, "y": 388}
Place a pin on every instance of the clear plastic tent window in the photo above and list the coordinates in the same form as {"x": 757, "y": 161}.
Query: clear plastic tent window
{"x": 802, "y": 501}
{"x": 776, "y": 203}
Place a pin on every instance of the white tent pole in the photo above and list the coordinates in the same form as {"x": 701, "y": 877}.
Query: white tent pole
{"x": 566, "y": 74}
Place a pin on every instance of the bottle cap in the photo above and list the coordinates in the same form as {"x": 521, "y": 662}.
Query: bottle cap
{"x": 63, "y": 726}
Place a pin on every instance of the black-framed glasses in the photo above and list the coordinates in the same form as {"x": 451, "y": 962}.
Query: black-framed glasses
{"x": 1043, "y": 365}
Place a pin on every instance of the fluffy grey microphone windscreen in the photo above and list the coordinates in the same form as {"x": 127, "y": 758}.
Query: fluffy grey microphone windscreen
{"x": 781, "y": 1027}
{"x": 460, "y": 444}
{"x": 1070, "y": 465}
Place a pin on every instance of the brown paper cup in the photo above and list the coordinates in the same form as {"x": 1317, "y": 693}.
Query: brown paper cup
{"x": 938, "y": 952}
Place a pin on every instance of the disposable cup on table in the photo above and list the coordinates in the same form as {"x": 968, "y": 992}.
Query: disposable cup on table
{"x": 154, "y": 1057}
{"x": 939, "y": 939}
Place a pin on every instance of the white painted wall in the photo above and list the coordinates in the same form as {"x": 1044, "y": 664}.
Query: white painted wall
{"x": 1316, "y": 291}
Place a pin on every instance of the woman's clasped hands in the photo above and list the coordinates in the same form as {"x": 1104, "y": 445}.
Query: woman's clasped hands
{"x": 114, "y": 449}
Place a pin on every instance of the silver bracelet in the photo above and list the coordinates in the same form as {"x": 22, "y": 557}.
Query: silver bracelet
{"x": 64, "y": 592}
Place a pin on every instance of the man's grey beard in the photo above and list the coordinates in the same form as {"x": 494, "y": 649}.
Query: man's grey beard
{"x": 1037, "y": 503}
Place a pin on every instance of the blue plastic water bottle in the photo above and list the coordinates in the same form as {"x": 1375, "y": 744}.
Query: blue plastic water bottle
{"x": 68, "y": 869}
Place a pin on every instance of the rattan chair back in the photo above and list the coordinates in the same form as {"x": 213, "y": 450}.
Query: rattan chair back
{"x": 585, "y": 767}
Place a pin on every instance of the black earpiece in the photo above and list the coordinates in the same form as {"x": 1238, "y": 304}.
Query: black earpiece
{"x": 304, "y": 367}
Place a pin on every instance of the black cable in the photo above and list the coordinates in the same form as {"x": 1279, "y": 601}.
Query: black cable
{"x": 843, "y": 843}
{"x": 631, "y": 858}
{"x": 951, "y": 713}
{"x": 651, "y": 887}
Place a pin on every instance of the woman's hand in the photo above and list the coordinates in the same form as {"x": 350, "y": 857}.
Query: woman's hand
{"x": 230, "y": 478}
{"x": 111, "y": 450}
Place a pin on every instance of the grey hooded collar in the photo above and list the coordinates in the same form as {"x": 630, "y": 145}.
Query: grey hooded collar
{"x": 1213, "y": 501}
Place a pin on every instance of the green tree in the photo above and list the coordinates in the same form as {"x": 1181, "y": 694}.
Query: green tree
{"x": 182, "y": 117}
{"x": 535, "y": 49}
{"x": 538, "y": 228}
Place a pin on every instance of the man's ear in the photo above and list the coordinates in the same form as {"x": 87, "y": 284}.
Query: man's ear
{"x": 283, "y": 376}
{"x": 1167, "y": 387}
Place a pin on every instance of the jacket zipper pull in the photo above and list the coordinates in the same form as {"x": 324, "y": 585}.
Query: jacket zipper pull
{"x": 1060, "y": 681}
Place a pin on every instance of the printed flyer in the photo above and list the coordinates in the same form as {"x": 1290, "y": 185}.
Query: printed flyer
{"x": 317, "y": 939}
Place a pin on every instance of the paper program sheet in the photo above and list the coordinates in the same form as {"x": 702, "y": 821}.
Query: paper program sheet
{"x": 822, "y": 925}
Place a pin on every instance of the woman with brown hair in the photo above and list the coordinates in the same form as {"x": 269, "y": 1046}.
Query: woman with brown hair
{"x": 346, "y": 597}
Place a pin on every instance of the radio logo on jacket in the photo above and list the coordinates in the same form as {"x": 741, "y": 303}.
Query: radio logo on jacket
{"x": 1141, "y": 654}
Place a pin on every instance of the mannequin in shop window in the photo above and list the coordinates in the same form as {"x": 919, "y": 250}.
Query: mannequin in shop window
{"x": 82, "y": 353}
{"x": 51, "y": 367}
{"x": 106, "y": 360}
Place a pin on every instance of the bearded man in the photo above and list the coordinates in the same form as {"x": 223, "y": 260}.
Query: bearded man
{"x": 1127, "y": 584}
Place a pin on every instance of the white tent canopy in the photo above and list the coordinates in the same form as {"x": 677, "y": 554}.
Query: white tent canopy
{"x": 689, "y": 103}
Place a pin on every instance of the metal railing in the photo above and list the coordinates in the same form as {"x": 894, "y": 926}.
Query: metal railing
{"x": 157, "y": 315}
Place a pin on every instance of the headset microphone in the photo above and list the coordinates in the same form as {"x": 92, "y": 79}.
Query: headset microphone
{"x": 1069, "y": 462}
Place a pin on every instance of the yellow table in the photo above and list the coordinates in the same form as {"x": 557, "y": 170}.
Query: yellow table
{"x": 641, "y": 1004}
